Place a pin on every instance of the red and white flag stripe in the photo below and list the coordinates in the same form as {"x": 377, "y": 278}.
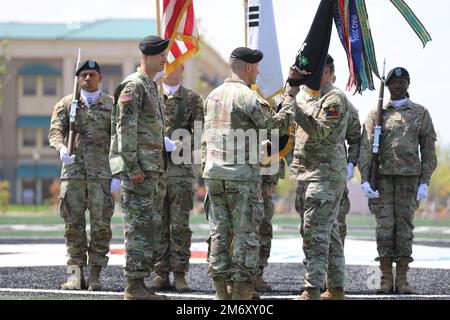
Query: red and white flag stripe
{"x": 181, "y": 28}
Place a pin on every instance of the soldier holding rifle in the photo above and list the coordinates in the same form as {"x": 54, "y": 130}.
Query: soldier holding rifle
{"x": 81, "y": 131}
{"x": 398, "y": 172}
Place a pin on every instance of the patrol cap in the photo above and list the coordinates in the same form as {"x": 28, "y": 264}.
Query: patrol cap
{"x": 398, "y": 72}
{"x": 153, "y": 45}
{"x": 247, "y": 55}
{"x": 88, "y": 65}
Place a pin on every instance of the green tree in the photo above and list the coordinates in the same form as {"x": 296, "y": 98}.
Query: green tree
{"x": 4, "y": 195}
{"x": 440, "y": 181}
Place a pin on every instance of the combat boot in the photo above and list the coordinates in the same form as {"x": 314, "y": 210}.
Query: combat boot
{"x": 161, "y": 282}
{"x": 401, "y": 278}
{"x": 136, "y": 290}
{"x": 261, "y": 285}
{"x": 179, "y": 282}
{"x": 242, "y": 290}
{"x": 333, "y": 294}
{"x": 94, "y": 283}
{"x": 309, "y": 294}
{"x": 387, "y": 278}
{"x": 221, "y": 289}
{"x": 76, "y": 279}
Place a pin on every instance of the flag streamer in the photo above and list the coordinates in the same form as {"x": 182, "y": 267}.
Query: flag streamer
{"x": 352, "y": 24}
{"x": 413, "y": 21}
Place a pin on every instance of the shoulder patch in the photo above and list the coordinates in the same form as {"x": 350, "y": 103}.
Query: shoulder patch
{"x": 128, "y": 108}
{"x": 331, "y": 112}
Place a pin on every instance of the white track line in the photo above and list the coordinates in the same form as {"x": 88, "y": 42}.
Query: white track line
{"x": 210, "y": 297}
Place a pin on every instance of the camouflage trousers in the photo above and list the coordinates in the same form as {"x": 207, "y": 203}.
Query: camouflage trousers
{"x": 235, "y": 213}
{"x": 76, "y": 196}
{"x": 266, "y": 229}
{"x": 344, "y": 209}
{"x": 175, "y": 245}
{"x": 142, "y": 211}
{"x": 394, "y": 213}
{"x": 322, "y": 245}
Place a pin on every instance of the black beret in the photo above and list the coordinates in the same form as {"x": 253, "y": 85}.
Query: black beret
{"x": 398, "y": 72}
{"x": 329, "y": 59}
{"x": 88, "y": 65}
{"x": 153, "y": 45}
{"x": 247, "y": 55}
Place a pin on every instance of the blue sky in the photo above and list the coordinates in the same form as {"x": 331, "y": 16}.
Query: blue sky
{"x": 221, "y": 24}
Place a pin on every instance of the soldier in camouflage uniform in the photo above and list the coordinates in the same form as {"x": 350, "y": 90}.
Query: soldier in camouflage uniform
{"x": 183, "y": 107}
{"x": 403, "y": 176}
{"x": 233, "y": 181}
{"x": 353, "y": 137}
{"x": 139, "y": 158}
{"x": 85, "y": 177}
{"x": 320, "y": 162}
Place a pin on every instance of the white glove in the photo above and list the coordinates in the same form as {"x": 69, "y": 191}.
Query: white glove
{"x": 368, "y": 192}
{"x": 350, "y": 170}
{"x": 170, "y": 145}
{"x": 115, "y": 185}
{"x": 65, "y": 157}
{"x": 422, "y": 193}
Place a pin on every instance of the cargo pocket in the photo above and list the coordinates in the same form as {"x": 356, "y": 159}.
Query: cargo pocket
{"x": 320, "y": 190}
{"x": 63, "y": 211}
{"x": 252, "y": 257}
{"x": 256, "y": 204}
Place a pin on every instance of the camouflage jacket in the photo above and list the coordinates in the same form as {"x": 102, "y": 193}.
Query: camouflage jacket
{"x": 92, "y": 137}
{"x": 319, "y": 152}
{"x": 137, "y": 133}
{"x": 182, "y": 110}
{"x": 353, "y": 134}
{"x": 234, "y": 109}
{"x": 404, "y": 130}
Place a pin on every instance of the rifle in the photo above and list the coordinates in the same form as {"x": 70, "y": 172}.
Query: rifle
{"x": 377, "y": 131}
{"x": 73, "y": 107}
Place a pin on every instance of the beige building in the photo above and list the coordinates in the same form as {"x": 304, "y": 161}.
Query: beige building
{"x": 41, "y": 62}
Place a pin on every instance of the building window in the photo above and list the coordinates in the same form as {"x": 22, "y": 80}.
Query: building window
{"x": 29, "y": 86}
{"x": 50, "y": 86}
{"x": 112, "y": 76}
{"x": 105, "y": 86}
{"x": 29, "y": 191}
{"x": 46, "y": 142}
{"x": 29, "y": 137}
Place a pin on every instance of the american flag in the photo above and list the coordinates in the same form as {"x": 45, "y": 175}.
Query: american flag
{"x": 181, "y": 28}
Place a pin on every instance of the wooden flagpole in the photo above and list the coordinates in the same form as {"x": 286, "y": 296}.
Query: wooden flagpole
{"x": 158, "y": 18}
